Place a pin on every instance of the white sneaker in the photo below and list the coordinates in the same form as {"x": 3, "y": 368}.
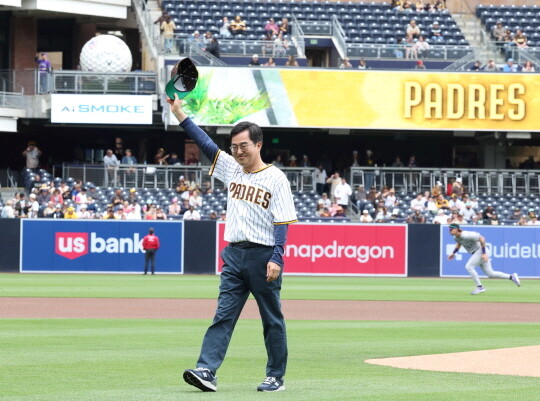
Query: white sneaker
{"x": 478, "y": 290}
{"x": 515, "y": 279}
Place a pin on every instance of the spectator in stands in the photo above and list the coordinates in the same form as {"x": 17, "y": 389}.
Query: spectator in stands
{"x": 491, "y": 66}
{"x": 173, "y": 160}
{"x": 340, "y": 212}
{"x": 411, "y": 51}
{"x": 22, "y": 205}
{"x": 81, "y": 199}
{"x": 271, "y": 27}
{"x": 436, "y": 33}
{"x": 58, "y": 214}
{"x": 528, "y": 67}
{"x": 533, "y": 221}
{"x": 389, "y": 198}
{"x": 345, "y": 63}
{"x": 420, "y": 65}
{"x": 292, "y": 161}
{"x": 268, "y": 44}
{"x": 442, "y": 202}
{"x": 468, "y": 212}
{"x": 85, "y": 214}
{"x": 224, "y": 29}
{"x": 476, "y": 66}
{"x": 422, "y": 47}
{"x": 431, "y": 205}
{"x": 160, "y": 157}
{"x": 498, "y": 32}
{"x": 531, "y": 214}
{"x": 162, "y": 18}
{"x": 360, "y": 196}
{"x": 238, "y": 26}
{"x": 342, "y": 193}
{"x": 418, "y": 203}
{"x": 510, "y": 66}
{"x": 334, "y": 180}
{"x": 320, "y": 179}
{"x": 362, "y": 65}
{"x": 192, "y": 214}
{"x": 223, "y": 215}
{"x": 416, "y": 218}
{"x": 44, "y": 69}
{"x": 324, "y": 201}
{"x": 520, "y": 40}
{"x": 32, "y": 154}
{"x": 455, "y": 204}
{"x": 207, "y": 38}
{"x": 8, "y": 212}
{"x": 254, "y": 62}
{"x": 49, "y": 210}
{"x": 196, "y": 199}
{"x": 44, "y": 196}
{"x": 305, "y": 161}
{"x": 117, "y": 199}
{"x": 196, "y": 40}
{"x": 412, "y": 29}
{"x": 167, "y": 30}
{"x": 398, "y": 48}
{"x": 270, "y": 63}
{"x": 441, "y": 218}
{"x": 440, "y": 4}
{"x": 488, "y": 212}
{"x": 355, "y": 159}
{"x": 284, "y": 26}
{"x": 397, "y": 5}
{"x": 493, "y": 220}
{"x": 508, "y": 44}
{"x": 419, "y": 6}
{"x": 366, "y": 217}
{"x": 407, "y": 7}
{"x": 160, "y": 214}
{"x": 291, "y": 61}
{"x": 412, "y": 161}
{"x": 129, "y": 159}
{"x": 382, "y": 215}
{"x": 522, "y": 221}
{"x": 119, "y": 213}
{"x": 280, "y": 45}
{"x": 174, "y": 207}
{"x": 437, "y": 189}
{"x": 212, "y": 47}
{"x": 397, "y": 162}
{"x": 70, "y": 213}
{"x": 516, "y": 214}
{"x": 111, "y": 163}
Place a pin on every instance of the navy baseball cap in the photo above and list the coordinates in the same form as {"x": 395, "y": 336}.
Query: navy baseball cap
{"x": 183, "y": 80}
{"x": 453, "y": 225}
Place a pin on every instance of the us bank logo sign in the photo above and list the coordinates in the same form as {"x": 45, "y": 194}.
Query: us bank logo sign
{"x": 511, "y": 249}
{"x": 79, "y": 246}
{"x": 101, "y": 109}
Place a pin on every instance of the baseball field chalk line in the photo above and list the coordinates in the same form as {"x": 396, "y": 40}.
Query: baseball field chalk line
{"x": 520, "y": 361}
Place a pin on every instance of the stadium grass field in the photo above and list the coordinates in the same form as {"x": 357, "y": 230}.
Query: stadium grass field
{"x": 294, "y": 287}
{"x": 142, "y": 359}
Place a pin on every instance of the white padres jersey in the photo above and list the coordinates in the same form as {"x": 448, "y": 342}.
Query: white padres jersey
{"x": 255, "y": 201}
{"x": 470, "y": 240}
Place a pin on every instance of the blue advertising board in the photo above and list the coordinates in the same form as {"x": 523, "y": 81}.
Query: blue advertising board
{"x": 512, "y": 249}
{"x": 98, "y": 246}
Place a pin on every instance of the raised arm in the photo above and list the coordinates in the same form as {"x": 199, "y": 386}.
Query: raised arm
{"x": 201, "y": 138}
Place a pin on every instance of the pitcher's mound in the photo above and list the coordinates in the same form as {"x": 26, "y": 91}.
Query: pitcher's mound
{"x": 521, "y": 361}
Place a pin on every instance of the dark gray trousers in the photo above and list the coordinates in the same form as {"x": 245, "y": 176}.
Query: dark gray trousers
{"x": 244, "y": 271}
{"x": 150, "y": 256}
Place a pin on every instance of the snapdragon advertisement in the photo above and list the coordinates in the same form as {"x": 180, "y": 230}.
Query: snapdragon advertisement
{"x": 350, "y": 250}
{"x": 511, "y": 249}
{"x": 319, "y": 98}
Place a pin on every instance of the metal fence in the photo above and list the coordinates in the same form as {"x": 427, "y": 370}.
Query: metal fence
{"x": 478, "y": 181}
{"x": 398, "y": 52}
{"x": 157, "y": 176}
{"x": 11, "y": 100}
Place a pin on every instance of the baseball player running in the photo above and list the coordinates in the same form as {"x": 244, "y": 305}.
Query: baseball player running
{"x": 475, "y": 244}
{"x": 259, "y": 209}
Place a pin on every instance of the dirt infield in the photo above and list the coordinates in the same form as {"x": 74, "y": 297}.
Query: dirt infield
{"x": 137, "y": 308}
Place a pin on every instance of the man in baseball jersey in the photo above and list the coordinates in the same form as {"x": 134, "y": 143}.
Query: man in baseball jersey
{"x": 475, "y": 244}
{"x": 259, "y": 209}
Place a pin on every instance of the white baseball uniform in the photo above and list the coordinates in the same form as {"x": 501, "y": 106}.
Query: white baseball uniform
{"x": 256, "y": 201}
{"x": 470, "y": 240}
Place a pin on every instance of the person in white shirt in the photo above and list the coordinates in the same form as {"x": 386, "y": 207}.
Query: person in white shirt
{"x": 342, "y": 193}
{"x": 366, "y": 218}
{"x": 111, "y": 163}
{"x": 324, "y": 201}
{"x": 390, "y": 199}
{"x": 192, "y": 214}
{"x": 195, "y": 200}
{"x": 320, "y": 179}
{"x": 34, "y": 207}
{"x": 456, "y": 204}
{"x": 475, "y": 244}
{"x": 418, "y": 203}
{"x": 468, "y": 212}
{"x": 82, "y": 211}
{"x": 441, "y": 218}
{"x": 8, "y": 212}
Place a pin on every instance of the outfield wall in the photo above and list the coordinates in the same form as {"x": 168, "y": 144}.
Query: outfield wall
{"x": 193, "y": 247}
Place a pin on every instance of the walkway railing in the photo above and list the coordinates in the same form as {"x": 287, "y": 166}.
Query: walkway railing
{"x": 157, "y": 176}
{"x": 478, "y": 181}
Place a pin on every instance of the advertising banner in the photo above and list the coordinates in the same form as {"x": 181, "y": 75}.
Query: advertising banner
{"x": 97, "y": 246}
{"x": 101, "y": 109}
{"x": 365, "y": 99}
{"x": 512, "y": 249}
{"x": 353, "y": 250}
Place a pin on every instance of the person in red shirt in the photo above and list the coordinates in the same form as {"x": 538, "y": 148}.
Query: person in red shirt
{"x": 150, "y": 246}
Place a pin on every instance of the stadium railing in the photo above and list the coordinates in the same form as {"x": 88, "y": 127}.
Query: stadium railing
{"x": 489, "y": 181}
{"x": 161, "y": 177}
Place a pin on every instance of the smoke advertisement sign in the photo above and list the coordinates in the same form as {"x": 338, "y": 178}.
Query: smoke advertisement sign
{"x": 511, "y": 249}
{"x": 354, "y": 250}
{"x": 97, "y": 246}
